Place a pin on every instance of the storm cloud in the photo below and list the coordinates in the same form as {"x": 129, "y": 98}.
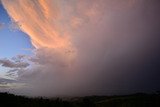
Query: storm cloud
{"x": 85, "y": 47}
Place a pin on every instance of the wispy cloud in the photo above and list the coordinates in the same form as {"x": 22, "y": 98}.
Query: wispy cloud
{"x": 1, "y": 25}
{"x": 11, "y": 64}
{"x": 8, "y": 84}
{"x": 14, "y": 26}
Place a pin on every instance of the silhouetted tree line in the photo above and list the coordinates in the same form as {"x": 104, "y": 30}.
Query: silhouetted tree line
{"x": 135, "y": 100}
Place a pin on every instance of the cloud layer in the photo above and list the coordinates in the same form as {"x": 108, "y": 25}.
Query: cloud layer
{"x": 88, "y": 47}
{"x": 11, "y": 64}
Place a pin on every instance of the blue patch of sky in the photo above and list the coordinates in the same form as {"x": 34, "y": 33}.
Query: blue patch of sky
{"x": 12, "y": 43}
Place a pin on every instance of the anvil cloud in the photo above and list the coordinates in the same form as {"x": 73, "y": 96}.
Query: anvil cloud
{"x": 85, "y": 47}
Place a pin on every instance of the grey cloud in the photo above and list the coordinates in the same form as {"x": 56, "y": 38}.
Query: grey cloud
{"x": 12, "y": 73}
{"x": 10, "y": 85}
{"x": 6, "y": 81}
{"x": 19, "y": 58}
{"x": 11, "y": 64}
{"x": 12, "y": 70}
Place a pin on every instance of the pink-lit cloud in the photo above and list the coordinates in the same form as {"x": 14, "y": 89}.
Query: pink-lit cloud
{"x": 85, "y": 47}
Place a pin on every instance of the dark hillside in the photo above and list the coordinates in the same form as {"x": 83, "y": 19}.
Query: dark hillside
{"x": 135, "y": 100}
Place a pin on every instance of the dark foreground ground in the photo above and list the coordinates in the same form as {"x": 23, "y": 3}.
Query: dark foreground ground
{"x": 135, "y": 100}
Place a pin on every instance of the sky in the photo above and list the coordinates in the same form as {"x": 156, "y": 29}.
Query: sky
{"x": 79, "y": 47}
{"x": 13, "y": 41}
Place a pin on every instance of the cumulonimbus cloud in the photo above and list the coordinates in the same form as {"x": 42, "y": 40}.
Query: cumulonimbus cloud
{"x": 88, "y": 47}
